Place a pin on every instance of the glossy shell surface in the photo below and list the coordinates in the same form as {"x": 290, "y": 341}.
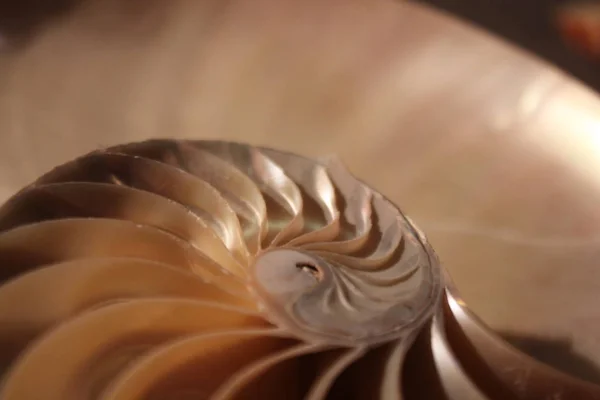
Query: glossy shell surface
{"x": 180, "y": 268}
{"x": 209, "y": 269}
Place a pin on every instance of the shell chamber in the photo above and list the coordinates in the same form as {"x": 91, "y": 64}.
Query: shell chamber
{"x": 213, "y": 270}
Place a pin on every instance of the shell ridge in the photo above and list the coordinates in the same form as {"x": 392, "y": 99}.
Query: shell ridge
{"x": 123, "y": 388}
{"x": 270, "y": 242}
{"x": 243, "y": 377}
{"x": 321, "y": 387}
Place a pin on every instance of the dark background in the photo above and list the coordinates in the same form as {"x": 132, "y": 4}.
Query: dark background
{"x": 530, "y": 24}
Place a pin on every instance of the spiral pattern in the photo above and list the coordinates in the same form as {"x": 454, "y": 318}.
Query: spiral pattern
{"x": 199, "y": 269}
{"x": 188, "y": 270}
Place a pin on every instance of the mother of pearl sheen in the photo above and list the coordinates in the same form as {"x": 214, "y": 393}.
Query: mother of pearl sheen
{"x": 293, "y": 286}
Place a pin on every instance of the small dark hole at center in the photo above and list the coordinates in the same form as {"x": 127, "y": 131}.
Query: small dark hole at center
{"x": 311, "y": 269}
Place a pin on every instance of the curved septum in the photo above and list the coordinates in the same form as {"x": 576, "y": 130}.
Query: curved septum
{"x": 203, "y": 269}
{"x": 313, "y": 297}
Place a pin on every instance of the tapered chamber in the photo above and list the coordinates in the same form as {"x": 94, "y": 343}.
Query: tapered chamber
{"x": 204, "y": 269}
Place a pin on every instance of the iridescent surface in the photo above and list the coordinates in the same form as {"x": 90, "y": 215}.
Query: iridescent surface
{"x": 210, "y": 269}
{"x": 165, "y": 251}
{"x": 494, "y": 155}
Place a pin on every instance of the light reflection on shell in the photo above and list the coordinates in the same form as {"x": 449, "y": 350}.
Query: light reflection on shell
{"x": 203, "y": 269}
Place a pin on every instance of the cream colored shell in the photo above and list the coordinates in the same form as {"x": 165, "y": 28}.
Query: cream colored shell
{"x": 199, "y": 269}
{"x": 187, "y": 270}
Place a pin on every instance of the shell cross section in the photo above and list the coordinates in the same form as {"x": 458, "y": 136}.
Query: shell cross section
{"x": 206, "y": 269}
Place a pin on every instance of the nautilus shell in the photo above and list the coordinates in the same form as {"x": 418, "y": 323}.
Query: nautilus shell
{"x": 214, "y": 270}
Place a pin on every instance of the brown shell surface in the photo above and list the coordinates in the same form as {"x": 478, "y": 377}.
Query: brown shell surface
{"x": 215, "y": 270}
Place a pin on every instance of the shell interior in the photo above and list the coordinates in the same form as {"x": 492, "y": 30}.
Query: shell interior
{"x": 213, "y": 270}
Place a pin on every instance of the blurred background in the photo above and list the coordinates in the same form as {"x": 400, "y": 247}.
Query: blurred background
{"x": 564, "y": 32}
